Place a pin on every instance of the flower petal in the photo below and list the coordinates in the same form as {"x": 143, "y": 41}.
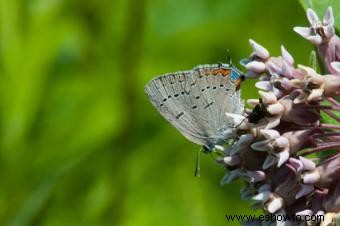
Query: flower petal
{"x": 312, "y": 17}
{"x": 245, "y": 140}
{"x": 273, "y": 122}
{"x": 270, "y": 134}
{"x": 283, "y": 157}
{"x": 268, "y": 97}
{"x": 270, "y": 160}
{"x": 274, "y": 205}
{"x": 253, "y": 102}
{"x": 329, "y": 220}
{"x": 273, "y": 68}
{"x": 305, "y": 32}
{"x": 263, "y": 145}
{"x": 264, "y": 85}
{"x": 265, "y": 187}
{"x": 256, "y": 66}
{"x": 315, "y": 94}
{"x": 287, "y": 84}
{"x": 297, "y": 164}
{"x": 262, "y": 196}
{"x": 331, "y": 85}
{"x": 301, "y": 98}
{"x": 246, "y": 193}
{"x": 305, "y": 212}
{"x": 281, "y": 142}
{"x": 251, "y": 74}
{"x": 238, "y": 120}
{"x": 311, "y": 73}
{"x": 259, "y": 50}
{"x": 287, "y": 56}
{"x": 287, "y": 70}
{"x": 245, "y": 61}
{"x": 329, "y": 31}
{"x": 275, "y": 109}
{"x": 232, "y": 160}
{"x": 336, "y": 66}
{"x": 315, "y": 39}
{"x": 277, "y": 92}
{"x": 233, "y": 175}
{"x": 329, "y": 18}
{"x": 311, "y": 177}
{"x": 255, "y": 176}
{"x": 307, "y": 163}
{"x": 305, "y": 190}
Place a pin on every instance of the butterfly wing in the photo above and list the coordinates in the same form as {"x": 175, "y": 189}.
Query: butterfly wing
{"x": 195, "y": 102}
{"x": 219, "y": 95}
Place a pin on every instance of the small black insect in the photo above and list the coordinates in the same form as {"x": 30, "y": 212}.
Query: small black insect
{"x": 259, "y": 112}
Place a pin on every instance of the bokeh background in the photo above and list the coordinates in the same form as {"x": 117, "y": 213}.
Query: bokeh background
{"x": 80, "y": 143}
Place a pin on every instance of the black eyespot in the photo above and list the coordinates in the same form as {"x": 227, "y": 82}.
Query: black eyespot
{"x": 164, "y": 99}
{"x": 214, "y": 87}
{"x": 202, "y": 90}
{"x": 161, "y": 105}
{"x": 194, "y": 107}
{"x": 198, "y": 97}
{"x": 221, "y": 85}
{"x": 208, "y": 87}
{"x": 182, "y": 92}
{"x": 176, "y": 95}
{"x": 169, "y": 96}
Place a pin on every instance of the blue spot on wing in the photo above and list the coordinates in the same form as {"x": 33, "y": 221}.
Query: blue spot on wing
{"x": 234, "y": 75}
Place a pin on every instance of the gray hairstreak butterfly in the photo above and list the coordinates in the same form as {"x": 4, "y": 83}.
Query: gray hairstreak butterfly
{"x": 195, "y": 102}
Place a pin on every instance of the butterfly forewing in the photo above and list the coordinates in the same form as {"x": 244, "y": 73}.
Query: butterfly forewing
{"x": 195, "y": 102}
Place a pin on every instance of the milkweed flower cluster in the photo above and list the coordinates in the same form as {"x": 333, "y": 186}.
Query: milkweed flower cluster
{"x": 278, "y": 137}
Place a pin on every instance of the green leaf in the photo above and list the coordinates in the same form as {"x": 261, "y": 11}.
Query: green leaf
{"x": 320, "y": 8}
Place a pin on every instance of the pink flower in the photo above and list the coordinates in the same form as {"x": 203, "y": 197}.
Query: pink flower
{"x": 322, "y": 34}
{"x": 319, "y": 31}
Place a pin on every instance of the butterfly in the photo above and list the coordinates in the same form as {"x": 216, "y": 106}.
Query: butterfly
{"x": 195, "y": 102}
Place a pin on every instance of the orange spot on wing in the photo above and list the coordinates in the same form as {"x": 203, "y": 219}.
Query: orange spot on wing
{"x": 238, "y": 83}
{"x": 207, "y": 72}
{"x": 225, "y": 72}
{"x": 215, "y": 71}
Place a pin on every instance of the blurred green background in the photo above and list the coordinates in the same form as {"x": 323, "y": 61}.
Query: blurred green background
{"x": 80, "y": 142}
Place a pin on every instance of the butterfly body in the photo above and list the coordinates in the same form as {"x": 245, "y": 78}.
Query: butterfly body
{"x": 195, "y": 101}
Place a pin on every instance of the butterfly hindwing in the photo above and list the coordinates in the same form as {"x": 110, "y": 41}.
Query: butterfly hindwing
{"x": 195, "y": 102}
